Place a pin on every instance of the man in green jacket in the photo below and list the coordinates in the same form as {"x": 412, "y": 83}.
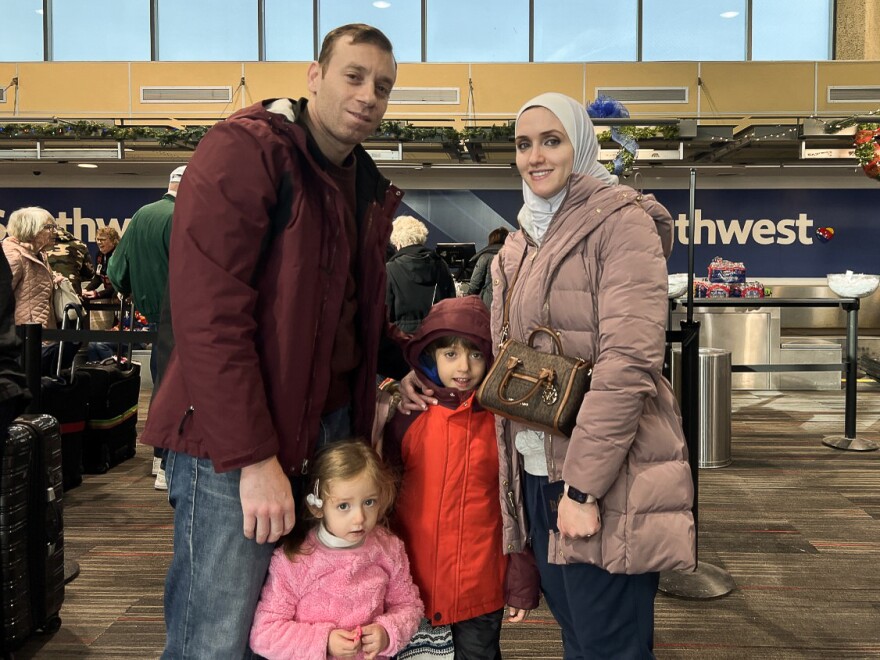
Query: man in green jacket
{"x": 139, "y": 266}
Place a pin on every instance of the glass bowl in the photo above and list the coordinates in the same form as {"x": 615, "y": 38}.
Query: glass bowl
{"x": 853, "y": 285}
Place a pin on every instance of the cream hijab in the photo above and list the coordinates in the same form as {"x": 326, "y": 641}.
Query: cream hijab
{"x": 537, "y": 212}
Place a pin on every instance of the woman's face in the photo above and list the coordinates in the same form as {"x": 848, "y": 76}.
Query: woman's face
{"x": 105, "y": 244}
{"x": 45, "y": 238}
{"x": 544, "y": 154}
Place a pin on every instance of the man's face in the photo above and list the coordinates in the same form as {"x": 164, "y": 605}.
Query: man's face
{"x": 349, "y": 99}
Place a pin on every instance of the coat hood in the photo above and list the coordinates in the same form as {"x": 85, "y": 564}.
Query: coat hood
{"x": 465, "y": 317}
{"x": 422, "y": 264}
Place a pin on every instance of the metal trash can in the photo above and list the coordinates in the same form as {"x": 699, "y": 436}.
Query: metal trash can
{"x": 714, "y": 426}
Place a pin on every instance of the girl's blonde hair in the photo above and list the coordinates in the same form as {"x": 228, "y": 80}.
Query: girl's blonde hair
{"x": 340, "y": 461}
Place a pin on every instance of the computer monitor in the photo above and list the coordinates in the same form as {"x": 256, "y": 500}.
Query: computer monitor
{"x": 457, "y": 256}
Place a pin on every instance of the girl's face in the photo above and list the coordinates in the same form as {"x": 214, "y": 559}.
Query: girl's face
{"x": 544, "y": 154}
{"x": 460, "y": 368}
{"x": 351, "y": 507}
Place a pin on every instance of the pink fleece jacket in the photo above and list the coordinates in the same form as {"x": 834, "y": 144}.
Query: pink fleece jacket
{"x": 329, "y": 588}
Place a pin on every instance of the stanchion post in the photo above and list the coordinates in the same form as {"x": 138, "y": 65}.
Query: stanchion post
{"x": 31, "y": 336}
{"x": 706, "y": 580}
{"x": 849, "y": 441}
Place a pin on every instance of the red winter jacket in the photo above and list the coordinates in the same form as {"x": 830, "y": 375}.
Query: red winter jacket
{"x": 448, "y": 510}
{"x": 258, "y": 264}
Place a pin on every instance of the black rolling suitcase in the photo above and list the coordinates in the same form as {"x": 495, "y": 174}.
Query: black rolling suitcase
{"x": 15, "y": 593}
{"x": 111, "y": 430}
{"x": 65, "y": 396}
{"x": 38, "y": 578}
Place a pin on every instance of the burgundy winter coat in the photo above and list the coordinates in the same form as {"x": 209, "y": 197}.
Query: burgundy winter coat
{"x": 599, "y": 279}
{"x": 258, "y": 264}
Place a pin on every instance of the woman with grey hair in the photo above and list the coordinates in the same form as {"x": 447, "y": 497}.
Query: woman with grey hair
{"x": 417, "y": 276}
{"x": 31, "y": 233}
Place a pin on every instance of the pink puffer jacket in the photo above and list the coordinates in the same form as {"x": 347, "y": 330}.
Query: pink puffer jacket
{"x": 599, "y": 279}
{"x": 32, "y": 284}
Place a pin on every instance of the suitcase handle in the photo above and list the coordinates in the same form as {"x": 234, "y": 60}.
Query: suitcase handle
{"x": 78, "y": 310}
{"x": 122, "y": 328}
{"x": 54, "y": 517}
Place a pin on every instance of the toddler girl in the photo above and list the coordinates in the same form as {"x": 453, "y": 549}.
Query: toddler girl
{"x": 340, "y": 585}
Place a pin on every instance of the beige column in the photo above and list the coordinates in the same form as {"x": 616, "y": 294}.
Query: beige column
{"x": 858, "y": 30}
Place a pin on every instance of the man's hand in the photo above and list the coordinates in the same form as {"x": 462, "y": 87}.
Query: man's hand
{"x": 343, "y": 643}
{"x": 88, "y": 295}
{"x": 578, "y": 521}
{"x": 516, "y": 615}
{"x": 374, "y": 640}
{"x": 413, "y": 396}
{"x": 266, "y": 501}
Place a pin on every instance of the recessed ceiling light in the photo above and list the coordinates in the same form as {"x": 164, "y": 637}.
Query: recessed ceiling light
{"x": 381, "y": 4}
{"x": 729, "y": 14}
{"x": 87, "y": 166}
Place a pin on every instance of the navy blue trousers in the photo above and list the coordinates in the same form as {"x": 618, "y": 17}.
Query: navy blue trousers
{"x": 602, "y": 615}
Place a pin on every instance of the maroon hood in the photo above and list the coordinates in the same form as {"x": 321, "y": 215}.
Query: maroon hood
{"x": 464, "y": 317}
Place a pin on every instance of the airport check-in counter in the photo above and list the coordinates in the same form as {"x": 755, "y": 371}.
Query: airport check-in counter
{"x": 786, "y": 335}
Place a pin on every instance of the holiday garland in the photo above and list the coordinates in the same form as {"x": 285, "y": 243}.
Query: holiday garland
{"x": 190, "y": 136}
{"x": 85, "y": 130}
{"x": 866, "y": 142}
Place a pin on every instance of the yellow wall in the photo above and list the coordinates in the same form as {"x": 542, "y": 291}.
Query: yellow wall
{"x": 73, "y": 90}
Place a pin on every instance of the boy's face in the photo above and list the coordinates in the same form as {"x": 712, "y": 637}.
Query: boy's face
{"x": 460, "y": 368}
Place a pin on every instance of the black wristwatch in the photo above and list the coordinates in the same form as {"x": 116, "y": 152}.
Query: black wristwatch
{"x": 578, "y": 496}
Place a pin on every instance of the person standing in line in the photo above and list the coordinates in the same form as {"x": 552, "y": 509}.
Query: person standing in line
{"x": 276, "y": 274}
{"x": 71, "y": 258}
{"x": 417, "y": 276}
{"x": 481, "y": 278}
{"x": 100, "y": 288}
{"x": 339, "y": 585}
{"x": 448, "y": 512}
{"x": 139, "y": 267}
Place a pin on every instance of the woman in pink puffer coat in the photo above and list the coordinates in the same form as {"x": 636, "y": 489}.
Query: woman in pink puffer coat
{"x": 591, "y": 263}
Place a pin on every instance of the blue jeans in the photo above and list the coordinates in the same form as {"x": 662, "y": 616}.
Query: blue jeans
{"x": 216, "y": 574}
{"x": 602, "y": 615}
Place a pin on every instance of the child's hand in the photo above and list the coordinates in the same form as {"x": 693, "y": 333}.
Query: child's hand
{"x": 343, "y": 643}
{"x": 516, "y": 615}
{"x": 374, "y": 640}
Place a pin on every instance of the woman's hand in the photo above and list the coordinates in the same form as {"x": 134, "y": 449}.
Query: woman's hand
{"x": 57, "y": 278}
{"x": 88, "y": 295}
{"x": 516, "y": 614}
{"x": 578, "y": 521}
{"x": 414, "y": 397}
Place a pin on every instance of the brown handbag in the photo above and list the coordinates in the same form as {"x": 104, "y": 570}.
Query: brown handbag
{"x": 542, "y": 390}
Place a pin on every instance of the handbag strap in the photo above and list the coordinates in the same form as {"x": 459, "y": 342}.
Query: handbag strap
{"x": 553, "y": 336}
{"x": 505, "y": 310}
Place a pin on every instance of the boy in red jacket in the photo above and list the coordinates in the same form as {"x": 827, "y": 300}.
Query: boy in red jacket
{"x": 448, "y": 511}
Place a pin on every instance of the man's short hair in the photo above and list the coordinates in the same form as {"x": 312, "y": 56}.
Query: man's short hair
{"x": 360, "y": 33}
{"x": 407, "y": 230}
